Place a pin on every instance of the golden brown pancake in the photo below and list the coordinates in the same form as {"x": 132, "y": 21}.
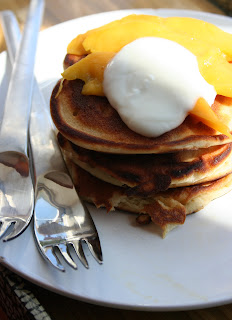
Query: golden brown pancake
{"x": 146, "y": 174}
{"x": 161, "y": 179}
{"x": 166, "y": 209}
{"x": 92, "y": 123}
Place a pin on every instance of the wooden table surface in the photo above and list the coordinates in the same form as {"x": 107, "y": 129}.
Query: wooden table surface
{"x": 57, "y": 11}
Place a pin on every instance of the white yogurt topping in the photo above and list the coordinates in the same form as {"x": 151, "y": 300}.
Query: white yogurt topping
{"x": 153, "y": 83}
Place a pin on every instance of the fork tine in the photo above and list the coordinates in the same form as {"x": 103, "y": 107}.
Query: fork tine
{"x": 64, "y": 251}
{"x": 95, "y": 248}
{"x": 19, "y": 226}
{"x": 4, "y": 226}
{"x": 50, "y": 255}
{"x": 80, "y": 253}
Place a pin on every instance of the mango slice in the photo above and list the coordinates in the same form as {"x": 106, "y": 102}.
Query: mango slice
{"x": 114, "y": 39}
{"x": 200, "y": 30}
{"x": 91, "y": 70}
{"x": 206, "y": 115}
{"x": 217, "y": 71}
{"x": 76, "y": 45}
{"x": 100, "y": 39}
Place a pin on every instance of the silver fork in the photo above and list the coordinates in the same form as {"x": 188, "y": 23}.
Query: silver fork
{"x": 60, "y": 219}
{"x": 16, "y": 189}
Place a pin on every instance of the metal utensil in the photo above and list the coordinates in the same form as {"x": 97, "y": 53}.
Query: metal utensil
{"x": 16, "y": 189}
{"x": 60, "y": 219}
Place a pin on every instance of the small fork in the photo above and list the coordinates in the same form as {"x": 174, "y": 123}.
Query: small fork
{"x": 61, "y": 221}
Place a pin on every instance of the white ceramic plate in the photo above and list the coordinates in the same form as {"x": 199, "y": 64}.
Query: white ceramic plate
{"x": 190, "y": 268}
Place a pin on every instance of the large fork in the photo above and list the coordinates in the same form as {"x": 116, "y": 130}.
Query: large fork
{"x": 16, "y": 189}
{"x": 61, "y": 221}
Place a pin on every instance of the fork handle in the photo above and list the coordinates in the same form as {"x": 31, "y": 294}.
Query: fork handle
{"x": 11, "y": 32}
{"x": 46, "y": 152}
{"x": 14, "y": 129}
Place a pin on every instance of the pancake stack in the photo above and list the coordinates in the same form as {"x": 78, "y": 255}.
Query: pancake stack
{"x": 159, "y": 179}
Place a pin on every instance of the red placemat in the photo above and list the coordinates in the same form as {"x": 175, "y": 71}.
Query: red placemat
{"x": 17, "y": 302}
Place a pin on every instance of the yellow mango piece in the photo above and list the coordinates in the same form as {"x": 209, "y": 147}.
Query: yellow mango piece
{"x": 93, "y": 87}
{"x": 115, "y": 38}
{"x": 205, "y": 114}
{"x": 114, "y": 35}
{"x": 76, "y": 46}
{"x": 107, "y": 41}
{"x": 189, "y": 28}
{"x": 217, "y": 71}
{"x": 91, "y": 70}
{"x": 203, "y": 31}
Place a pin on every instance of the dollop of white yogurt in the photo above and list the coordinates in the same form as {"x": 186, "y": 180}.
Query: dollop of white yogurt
{"x": 153, "y": 83}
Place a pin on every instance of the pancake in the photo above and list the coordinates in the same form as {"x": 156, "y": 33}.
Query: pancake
{"x": 166, "y": 209}
{"x": 92, "y": 123}
{"x": 152, "y": 173}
